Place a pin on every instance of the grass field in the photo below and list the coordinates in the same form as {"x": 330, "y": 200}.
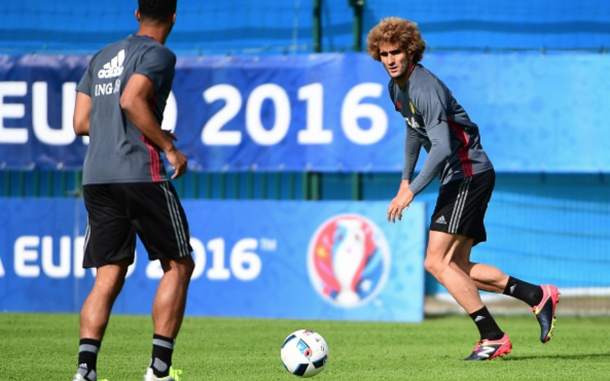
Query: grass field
{"x": 44, "y": 347}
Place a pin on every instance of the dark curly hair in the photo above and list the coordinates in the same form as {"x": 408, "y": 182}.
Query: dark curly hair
{"x": 158, "y": 10}
{"x": 403, "y": 33}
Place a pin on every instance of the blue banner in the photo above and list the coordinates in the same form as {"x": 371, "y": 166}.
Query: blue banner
{"x": 324, "y": 112}
{"x": 304, "y": 260}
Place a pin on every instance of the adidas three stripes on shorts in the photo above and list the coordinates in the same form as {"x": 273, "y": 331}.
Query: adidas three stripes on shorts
{"x": 119, "y": 212}
{"x": 461, "y": 206}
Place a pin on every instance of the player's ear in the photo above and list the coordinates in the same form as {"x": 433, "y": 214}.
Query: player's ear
{"x": 137, "y": 13}
{"x": 174, "y": 19}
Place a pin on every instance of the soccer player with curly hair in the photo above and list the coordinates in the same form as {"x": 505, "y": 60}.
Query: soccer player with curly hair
{"x": 439, "y": 124}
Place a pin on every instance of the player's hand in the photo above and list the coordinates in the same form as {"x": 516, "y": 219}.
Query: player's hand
{"x": 395, "y": 210}
{"x": 178, "y": 161}
{"x": 399, "y": 203}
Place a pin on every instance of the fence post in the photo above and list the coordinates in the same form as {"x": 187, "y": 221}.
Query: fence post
{"x": 357, "y": 24}
{"x": 317, "y": 26}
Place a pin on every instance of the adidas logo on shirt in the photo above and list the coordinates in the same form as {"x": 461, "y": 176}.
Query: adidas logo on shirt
{"x": 114, "y": 68}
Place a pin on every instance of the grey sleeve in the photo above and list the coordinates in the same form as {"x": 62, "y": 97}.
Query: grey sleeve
{"x": 158, "y": 64}
{"x": 84, "y": 85}
{"x": 412, "y": 150}
{"x": 440, "y": 152}
{"x": 431, "y": 100}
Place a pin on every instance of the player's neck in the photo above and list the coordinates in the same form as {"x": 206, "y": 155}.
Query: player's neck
{"x": 401, "y": 81}
{"x": 156, "y": 33}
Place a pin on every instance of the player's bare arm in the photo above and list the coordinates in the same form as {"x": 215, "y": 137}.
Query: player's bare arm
{"x": 401, "y": 202}
{"x": 82, "y": 113}
{"x": 134, "y": 102}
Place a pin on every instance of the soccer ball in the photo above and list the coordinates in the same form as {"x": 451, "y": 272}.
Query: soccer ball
{"x": 304, "y": 353}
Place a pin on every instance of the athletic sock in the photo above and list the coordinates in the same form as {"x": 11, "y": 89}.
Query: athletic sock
{"x": 161, "y": 359}
{"x": 488, "y": 328}
{"x": 527, "y": 292}
{"x": 87, "y": 358}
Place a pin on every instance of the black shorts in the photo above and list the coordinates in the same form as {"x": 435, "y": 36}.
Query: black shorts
{"x": 117, "y": 212}
{"x": 461, "y": 206}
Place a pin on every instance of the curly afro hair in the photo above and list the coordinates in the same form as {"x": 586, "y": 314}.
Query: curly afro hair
{"x": 394, "y": 30}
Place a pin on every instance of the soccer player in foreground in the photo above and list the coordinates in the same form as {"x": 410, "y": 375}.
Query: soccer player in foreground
{"x": 438, "y": 123}
{"x": 119, "y": 104}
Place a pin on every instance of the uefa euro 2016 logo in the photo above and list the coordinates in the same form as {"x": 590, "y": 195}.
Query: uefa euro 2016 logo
{"x": 348, "y": 260}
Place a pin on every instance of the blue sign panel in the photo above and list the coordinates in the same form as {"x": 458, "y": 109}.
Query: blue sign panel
{"x": 324, "y": 112}
{"x": 302, "y": 260}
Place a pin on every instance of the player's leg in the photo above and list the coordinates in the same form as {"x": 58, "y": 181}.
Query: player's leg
{"x": 492, "y": 279}
{"x": 164, "y": 231}
{"x": 168, "y": 313}
{"x": 440, "y": 264}
{"x": 467, "y": 213}
{"x": 170, "y": 299}
{"x": 95, "y": 314}
{"x": 542, "y": 299}
{"x": 472, "y": 201}
{"x": 456, "y": 226}
{"x": 443, "y": 248}
{"x": 109, "y": 247}
{"x": 486, "y": 277}
{"x": 96, "y": 309}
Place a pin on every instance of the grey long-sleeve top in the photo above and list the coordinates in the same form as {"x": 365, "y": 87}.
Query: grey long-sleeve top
{"x": 438, "y": 123}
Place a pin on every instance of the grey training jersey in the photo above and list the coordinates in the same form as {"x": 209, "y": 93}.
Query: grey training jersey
{"x": 118, "y": 152}
{"x": 438, "y": 123}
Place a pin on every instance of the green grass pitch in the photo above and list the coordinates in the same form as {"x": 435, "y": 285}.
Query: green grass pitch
{"x": 44, "y": 347}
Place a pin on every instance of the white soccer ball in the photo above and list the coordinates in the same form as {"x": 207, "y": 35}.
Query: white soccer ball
{"x": 304, "y": 353}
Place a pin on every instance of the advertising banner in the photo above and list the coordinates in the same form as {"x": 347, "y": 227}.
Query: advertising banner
{"x": 266, "y": 259}
{"x": 323, "y": 112}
